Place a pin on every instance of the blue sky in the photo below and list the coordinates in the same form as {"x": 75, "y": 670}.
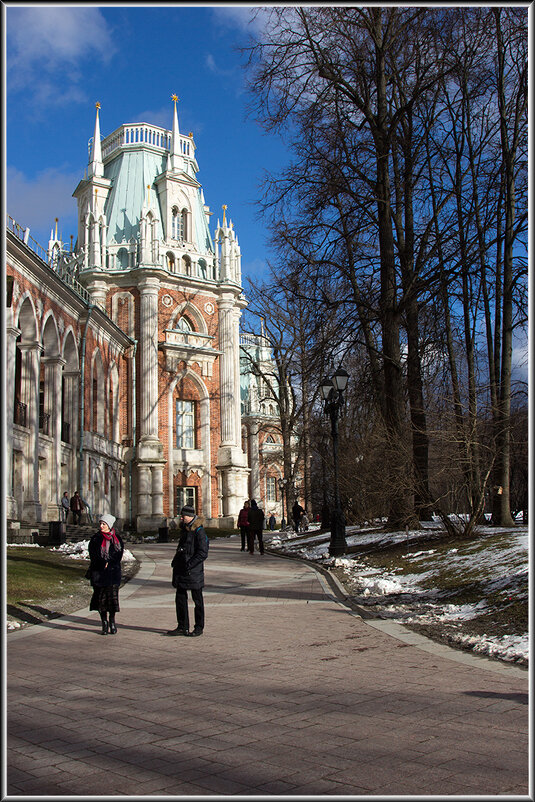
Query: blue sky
{"x": 61, "y": 60}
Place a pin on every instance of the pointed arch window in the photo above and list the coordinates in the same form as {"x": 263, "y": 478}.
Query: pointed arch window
{"x": 175, "y": 223}
{"x": 184, "y": 224}
{"x": 185, "y": 424}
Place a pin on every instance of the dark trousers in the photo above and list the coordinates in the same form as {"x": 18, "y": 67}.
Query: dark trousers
{"x": 181, "y": 603}
{"x": 76, "y": 515}
{"x": 244, "y": 531}
{"x": 250, "y": 541}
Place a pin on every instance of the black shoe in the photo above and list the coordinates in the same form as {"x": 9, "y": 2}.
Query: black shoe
{"x": 113, "y": 628}
{"x": 104, "y": 628}
{"x": 177, "y": 631}
{"x": 196, "y": 632}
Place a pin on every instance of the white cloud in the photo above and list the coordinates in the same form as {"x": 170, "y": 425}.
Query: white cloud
{"x": 34, "y": 203}
{"x": 42, "y": 40}
{"x": 250, "y": 19}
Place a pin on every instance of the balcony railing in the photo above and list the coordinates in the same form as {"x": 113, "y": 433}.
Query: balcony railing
{"x": 20, "y": 414}
{"x": 44, "y": 422}
{"x": 190, "y": 339}
{"x": 144, "y": 134}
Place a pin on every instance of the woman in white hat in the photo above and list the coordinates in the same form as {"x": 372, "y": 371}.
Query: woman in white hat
{"x": 106, "y": 552}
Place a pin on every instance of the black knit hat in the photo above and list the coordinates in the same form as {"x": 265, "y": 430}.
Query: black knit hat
{"x": 188, "y": 510}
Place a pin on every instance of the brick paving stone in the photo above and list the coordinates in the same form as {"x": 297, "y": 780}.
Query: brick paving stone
{"x": 288, "y": 692}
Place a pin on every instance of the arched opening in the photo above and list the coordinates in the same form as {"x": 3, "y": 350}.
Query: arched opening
{"x": 170, "y": 258}
{"x": 122, "y": 258}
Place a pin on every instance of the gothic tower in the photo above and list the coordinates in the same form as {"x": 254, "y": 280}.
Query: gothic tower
{"x": 146, "y": 256}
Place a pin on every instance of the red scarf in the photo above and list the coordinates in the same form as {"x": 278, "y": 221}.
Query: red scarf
{"x": 106, "y": 540}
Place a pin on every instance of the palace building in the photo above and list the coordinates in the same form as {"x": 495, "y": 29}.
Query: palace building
{"x": 123, "y": 369}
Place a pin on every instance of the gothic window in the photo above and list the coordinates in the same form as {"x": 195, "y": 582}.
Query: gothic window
{"x": 202, "y": 269}
{"x": 184, "y": 325}
{"x": 175, "y": 223}
{"x": 170, "y": 261}
{"x": 184, "y": 224}
{"x": 186, "y": 496}
{"x": 122, "y": 258}
{"x": 185, "y": 424}
{"x": 271, "y": 489}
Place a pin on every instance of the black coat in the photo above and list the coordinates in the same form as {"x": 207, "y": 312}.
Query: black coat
{"x": 100, "y": 576}
{"x": 191, "y": 552}
{"x": 256, "y": 519}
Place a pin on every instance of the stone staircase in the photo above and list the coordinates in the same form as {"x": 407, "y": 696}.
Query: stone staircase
{"x": 28, "y": 532}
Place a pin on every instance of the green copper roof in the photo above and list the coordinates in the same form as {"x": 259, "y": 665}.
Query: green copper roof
{"x": 130, "y": 173}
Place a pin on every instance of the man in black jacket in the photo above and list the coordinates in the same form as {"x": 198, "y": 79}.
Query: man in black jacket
{"x": 188, "y": 572}
{"x": 256, "y": 525}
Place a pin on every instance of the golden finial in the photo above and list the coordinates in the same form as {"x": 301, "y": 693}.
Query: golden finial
{"x": 174, "y": 98}
{"x": 190, "y": 134}
{"x": 224, "y": 210}
{"x": 97, "y": 105}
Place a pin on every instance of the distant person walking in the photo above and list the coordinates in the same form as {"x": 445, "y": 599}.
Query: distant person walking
{"x": 243, "y": 524}
{"x": 272, "y": 522}
{"x": 297, "y": 512}
{"x": 105, "y": 552}
{"x": 188, "y": 572}
{"x": 65, "y": 506}
{"x": 304, "y": 521}
{"x": 256, "y": 525}
{"x": 77, "y": 507}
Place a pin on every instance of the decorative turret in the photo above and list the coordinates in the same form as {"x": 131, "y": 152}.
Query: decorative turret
{"x": 96, "y": 168}
{"x": 55, "y": 247}
{"x": 177, "y": 162}
{"x": 228, "y": 251}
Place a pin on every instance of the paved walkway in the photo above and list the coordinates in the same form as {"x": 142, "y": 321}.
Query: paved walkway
{"x": 288, "y": 692}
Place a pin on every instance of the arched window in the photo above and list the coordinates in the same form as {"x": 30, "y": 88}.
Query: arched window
{"x": 202, "y": 269}
{"x": 170, "y": 261}
{"x": 184, "y": 325}
{"x": 184, "y": 224}
{"x": 175, "y": 224}
{"x": 122, "y": 258}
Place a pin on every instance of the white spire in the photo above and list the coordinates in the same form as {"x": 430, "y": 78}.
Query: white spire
{"x": 176, "y": 157}
{"x": 97, "y": 168}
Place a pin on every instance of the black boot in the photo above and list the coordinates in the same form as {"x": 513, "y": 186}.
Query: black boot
{"x": 113, "y": 627}
{"x": 104, "y": 627}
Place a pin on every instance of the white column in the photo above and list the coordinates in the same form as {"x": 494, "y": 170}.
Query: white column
{"x": 11, "y": 350}
{"x": 255, "y": 462}
{"x": 53, "y": 375}
{"x": 157, "y": 490}
{"x": 31, "y": 353}
{"x": 236, "y": 315}
{"x": 226, "y": 370}
{"x": 148, "y": 358}
{"x": 144, "y": 484}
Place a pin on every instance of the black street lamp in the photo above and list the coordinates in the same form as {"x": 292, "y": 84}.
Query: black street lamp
{"x": 282, "y": 486}
{"x": 332, "y": 391}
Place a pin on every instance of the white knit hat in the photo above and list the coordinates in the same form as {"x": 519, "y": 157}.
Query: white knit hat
{"x": 108, "y": 519}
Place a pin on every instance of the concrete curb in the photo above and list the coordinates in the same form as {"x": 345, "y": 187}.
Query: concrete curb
{"x": 402, "y": 633}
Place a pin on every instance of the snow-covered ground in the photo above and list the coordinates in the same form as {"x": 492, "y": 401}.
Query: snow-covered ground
{"x": 496, "y": 562}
